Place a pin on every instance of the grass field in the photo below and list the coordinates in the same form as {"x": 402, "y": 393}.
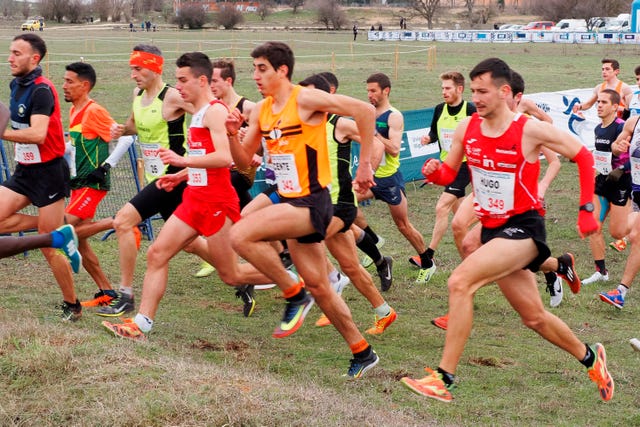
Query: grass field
{"x": 205, "y": 364}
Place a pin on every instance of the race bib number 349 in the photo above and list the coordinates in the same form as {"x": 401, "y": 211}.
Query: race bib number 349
{"x": 493, "y": 190}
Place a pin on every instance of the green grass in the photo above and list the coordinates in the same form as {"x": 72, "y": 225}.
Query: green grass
{"x": 205, "y": 364}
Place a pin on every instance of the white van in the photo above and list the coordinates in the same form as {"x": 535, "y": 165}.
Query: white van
{"x": 570, "y": 25}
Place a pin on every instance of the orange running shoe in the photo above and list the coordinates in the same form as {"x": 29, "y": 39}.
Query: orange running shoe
{"x": 570, "y": 275}
{"x": 383, "y": 323}
{"x": 323, "y": 320}
{"x": 619, "y": 245}
{"x": 138, "y": 235}
{"x": 430, "y": 386}
{"x": 441, "y": 322}
{"x": 599, "y": 373}
{"x": 128, "y": 329}
{"x": 100, "y": 299}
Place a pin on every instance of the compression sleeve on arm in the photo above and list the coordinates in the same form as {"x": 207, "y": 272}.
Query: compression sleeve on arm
{"x": 124, "y": 142}
{"x": 584, "y": 160}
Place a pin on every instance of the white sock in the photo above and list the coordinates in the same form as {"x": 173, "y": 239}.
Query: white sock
{"x": 623, "y": 290}
{"x": 144, "y": 323}
{"x": 126, "y": 290}
{"x": 382, "y": 310}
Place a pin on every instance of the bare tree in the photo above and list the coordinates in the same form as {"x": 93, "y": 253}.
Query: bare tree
{"x": 228, "y": 16}
{"x": 75, "y": 11}
{"x": 25, "y": 9}
{"x": 264, "y": 9}
{"x": 295, "y": 5}
{"x": 191, "y": 16}
{"x": 54, "y": 9}
{"x": 102, "y": 8}
{"x": 427, "y": 9}
{"x": 8, "y": 7}
{"x": 555, "y": 10}
{"x": 330, "y": 14}
{"x": 118, "y": 9}
{"x": 469, "y": 4}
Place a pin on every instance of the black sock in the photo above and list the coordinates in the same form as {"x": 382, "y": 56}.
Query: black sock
{"x": 298, "y": 297}
{"x": 425, "y": 260}
{"x": 550, "y": 277}
{"x": 430, "y": 252}
{"x": 363, "y": 354}
{"x": 368, "y": 246}
{"x": 371, "y": 234}
{"x": 600, "y": 266}
{"x": 589, "y": 359}
{"x": 446, "y": 376}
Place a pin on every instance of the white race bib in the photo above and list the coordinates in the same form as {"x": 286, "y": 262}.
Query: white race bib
{"x": 635, "y": 170}
{"x": 28, "y": 153}
{"x": 602, "y": 159}
{"x": 284, "y": 165}
{"x": 197, "y": 176}
{"x": 152, "y": 163}
{"x": 493, "y": 190}
{"x": 447, "y": 138}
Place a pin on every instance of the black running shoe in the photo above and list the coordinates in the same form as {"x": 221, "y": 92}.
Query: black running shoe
{"x": 70, "y": 312}
{"x": 119, "y": 306}
{"x": 245, "y": 293}
{"x": 567, "y": 270}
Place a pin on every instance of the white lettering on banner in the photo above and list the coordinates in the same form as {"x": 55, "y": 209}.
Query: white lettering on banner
{"x": 415, "y": 146}
{"x": 28, "y": 153}
{"x": 197, "y": 176}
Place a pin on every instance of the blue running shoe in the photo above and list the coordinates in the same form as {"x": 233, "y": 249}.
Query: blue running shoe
{"x": 70, "y": 246}
{"x": 294, "y": 314}
{"x": 614, "y": 298}
{"x": 359, "y": 366}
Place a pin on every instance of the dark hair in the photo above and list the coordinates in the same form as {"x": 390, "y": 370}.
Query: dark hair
{"x": 614, "y": 63}
{"x": 613, "y": 95}
{"x": 318, "y": 81}
{"x": 458, "y": 79}
{"x": 500, "y": 71}
{"x": 277, "y": 53}
{"x": 636, "y": 71}
{"x": 147, "y": 48}
{"x": 199, "y": 63}
{"x": 331, "y": 78}
{"x": 380, "y": 78}
{"x": 35, "y": 41}
{"x": 84, "y": 71}
{"x": 227, "y": 69}
{"x": 517, "y": 83}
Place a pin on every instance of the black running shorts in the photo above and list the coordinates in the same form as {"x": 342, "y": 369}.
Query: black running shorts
{"x": 42, "y": 183}
{"x": 152, "y": 200}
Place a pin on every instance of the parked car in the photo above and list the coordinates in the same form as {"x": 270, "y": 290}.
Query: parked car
{"x": 511, "y": 27}
{"x": 570, "y": 25}
{"x": 32, "y": 24}
{"x": 617, "y": 25}
{"x": 539, "y": 25}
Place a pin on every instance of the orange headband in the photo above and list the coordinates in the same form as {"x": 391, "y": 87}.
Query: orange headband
{"x": 146, "y": 60}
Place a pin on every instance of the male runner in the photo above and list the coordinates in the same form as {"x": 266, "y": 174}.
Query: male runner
{"x": 610, "y": 71}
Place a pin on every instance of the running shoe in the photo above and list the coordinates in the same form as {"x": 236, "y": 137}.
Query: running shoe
{"x": 599, "y": 373}
{"x": 206, "y": 270}
{"x": 359, "y": 366}
{"x": 619, "y": 245}
{"x": 245, "y": 293}
{"x": 596, "y": 277}
{"x": 366, "y": 260}
{"x": 385, "y": 273}
{"x": 441, "y": 322}
{"x": 635, "y": 343}
{"x": 555, "y": 291}
{"x": 430, "y": 386}
{"x": 101, "y": 298}
{"x": 123, "y": 304}
{"x": 285, "y": 258}
{"x": 567, "y": 270}
{"x": 70, "y": 312}
{"x": 322, "y": 321}
{"x": 382, "y": 323}
{"x": 425, "y": 274}
{"x": 415, "y": 261}
{"x": 613, "y": 297}
{"x": 264, "y": 286}
{"x": 340, "y": 284}
{"x": 294, "y": 314}
{"x": 70, "y": 246}
{"x": 128, "y": 329}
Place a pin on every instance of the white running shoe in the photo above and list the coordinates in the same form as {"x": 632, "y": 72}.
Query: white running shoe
{"x": 596, "y": 277}
{"x": 555, "y": 290}
{"x": 340, "y": 284}
{"x": 264, "y": 287}
{"x": 635, "y": 343}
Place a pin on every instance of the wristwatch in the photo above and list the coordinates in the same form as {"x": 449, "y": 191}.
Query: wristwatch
{"x": 587, "y": 207}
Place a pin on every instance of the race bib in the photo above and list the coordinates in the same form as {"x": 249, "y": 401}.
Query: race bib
{"x": 635, "y": 170}
{"x": 197, "y": 176}
{"x": 447, "y": 138}
{"x": 493, "y": 190}
{"x": 28, "y": 153}
{"x": 284, "y": 165}
{"x": 152, "y": 163}
{"x": 602, "y": 160}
